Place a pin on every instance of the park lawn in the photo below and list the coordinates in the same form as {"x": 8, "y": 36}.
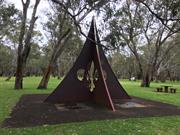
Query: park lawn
{"x": 135, "y": 126}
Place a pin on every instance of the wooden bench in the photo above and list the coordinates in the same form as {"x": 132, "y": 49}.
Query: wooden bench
{"x": 159, "y": 89}
{"x": 173, "y": 90}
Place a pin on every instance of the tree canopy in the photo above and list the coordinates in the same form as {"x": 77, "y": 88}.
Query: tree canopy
{"x": 140, "y": 38}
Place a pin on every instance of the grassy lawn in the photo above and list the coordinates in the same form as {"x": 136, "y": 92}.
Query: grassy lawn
{"x": 133, "y": 126}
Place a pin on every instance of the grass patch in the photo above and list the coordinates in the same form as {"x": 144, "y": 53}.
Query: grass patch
{"x": 134, "y": 126}
{"x": 134, "y": 89}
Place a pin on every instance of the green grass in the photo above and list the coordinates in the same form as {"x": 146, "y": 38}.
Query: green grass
{"x": 134, "y": 89}
{"x": 133, "y": 126}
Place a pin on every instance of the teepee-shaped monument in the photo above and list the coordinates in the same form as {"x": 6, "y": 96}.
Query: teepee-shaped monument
{"x": 103, "y": 87}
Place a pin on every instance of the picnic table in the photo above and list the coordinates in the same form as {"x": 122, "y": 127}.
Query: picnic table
{"x": 166, "y": 87}
{"x": 171, "y": 90}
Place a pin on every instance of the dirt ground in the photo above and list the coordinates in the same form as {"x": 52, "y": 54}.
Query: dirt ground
{"x": 32, "y": 111}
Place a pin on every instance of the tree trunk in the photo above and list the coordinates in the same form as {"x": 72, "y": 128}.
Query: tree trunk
{"x": 24, "y": 42}
{"x": 45, "y": 79}
{"x": 146, "y": 80}
{"x": 19, "y": 74}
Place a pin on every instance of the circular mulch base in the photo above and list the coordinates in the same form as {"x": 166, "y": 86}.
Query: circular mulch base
{"x": 32, "y": 111}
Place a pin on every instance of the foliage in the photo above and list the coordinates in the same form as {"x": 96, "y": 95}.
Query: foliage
{"x": 167, "y": 12}
{"x": 132, "y": 31}
{"x": 123, "y": 66}
{"x": 8, "y": 19}
{"x": 6, "y": 60}
{"x": 141, "y": 33}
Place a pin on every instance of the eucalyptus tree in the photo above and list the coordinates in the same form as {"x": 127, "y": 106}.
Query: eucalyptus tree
{"x": 143, "y": 33}
{"x": 24, "y": 42}
{"x": 69, "y": 15}
{"x": 8, "y": 17}
{"x": 59, "y": 30}
{"x": 9, "y": 20}
{"x": 166, "y": 11}
{"x": 170, "y": 67}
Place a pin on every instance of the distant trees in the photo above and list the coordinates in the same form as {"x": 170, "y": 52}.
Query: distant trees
{"x": 124, "y": 66}
{"x": 6, "y": 60}
{"x": 35, "y": 62}
{"x": 142, "y": 39}
{"x": 170, "y": 67}
{"x": 144, "y": 34}
{"x": 60, "y": 31}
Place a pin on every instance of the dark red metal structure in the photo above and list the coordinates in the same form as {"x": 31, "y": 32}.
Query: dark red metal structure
{"x": 106, "y": 86}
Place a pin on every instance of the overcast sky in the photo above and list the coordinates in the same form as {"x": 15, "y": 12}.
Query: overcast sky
{"x": 42, "y": 8}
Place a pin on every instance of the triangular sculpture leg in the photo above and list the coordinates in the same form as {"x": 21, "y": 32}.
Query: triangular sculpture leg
{"x": 107, "y": 88}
